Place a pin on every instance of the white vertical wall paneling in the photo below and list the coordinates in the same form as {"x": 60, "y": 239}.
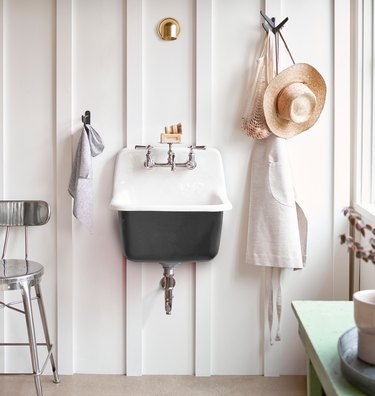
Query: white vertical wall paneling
{"x": 2, "y": 351}
{"x": 134, "y": 135}
{"x": 367, "y": 67}
{"x": 363, "y": 48}
{"x": 342, "y": 143}
{"x": 203, "y": 271}
{"x": 2, "y": 140}
{"x": 133, "y": 318}
{"x": 168, "y": 70}
{"x": 311, "y": 155}
{"x": 234, "y": 349}
{"x": 169, "y": 97}
{"x": 271, "y": 358}
{"x": 134, "y": 72}
{"x": 29, "y": 154}
{"x": 99, "y": 271}
{"x": 364, "y": 139}
{"x": 357, "y": 9}
{"x": 203, "y": 71}
{"x": 64, "y": 252}
{"x": 203, "y": 286}
{"x": 235, "y": 284}
{"x": 356, "y": 125}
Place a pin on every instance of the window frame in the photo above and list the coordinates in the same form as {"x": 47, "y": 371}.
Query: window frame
{"x": 363, "y": 169}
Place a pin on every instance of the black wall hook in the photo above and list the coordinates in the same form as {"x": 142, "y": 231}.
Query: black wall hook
{"x": 276, "y": 30}
{"x": 272, "y": 23}
{"x": 86, "y": 119}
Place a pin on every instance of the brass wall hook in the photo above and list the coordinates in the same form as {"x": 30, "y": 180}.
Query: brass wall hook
{"x": 169, "y": 29}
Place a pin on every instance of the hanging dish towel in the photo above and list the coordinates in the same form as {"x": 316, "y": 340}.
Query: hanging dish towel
{"x": 277, "y": 228}
{"x": 81, "y": 179}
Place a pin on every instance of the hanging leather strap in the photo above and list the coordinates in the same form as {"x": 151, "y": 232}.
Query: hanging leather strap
{"x": 287, "y": 48}
{"x": 277, "y": 50}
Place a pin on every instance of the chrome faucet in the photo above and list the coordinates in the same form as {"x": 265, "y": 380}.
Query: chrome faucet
{"x": 149, "y": 163}
{"x": 171, "y": 163}
{"x": 191, "y": 163}
{"x": 171, "y": 158}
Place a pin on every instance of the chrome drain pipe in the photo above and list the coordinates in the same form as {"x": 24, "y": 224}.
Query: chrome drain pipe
{"x": 168, "y": 283}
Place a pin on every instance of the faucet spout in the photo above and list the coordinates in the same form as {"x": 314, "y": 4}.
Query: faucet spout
{"x": 149, "y": 163}
{"x": 171, "y": 157}
{"x": 191, "y": 163}
{"x": 173, "y": 163}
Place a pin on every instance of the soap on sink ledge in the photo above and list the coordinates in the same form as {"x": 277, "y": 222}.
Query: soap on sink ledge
{"x": 172, "y": 134}
{"x": 170, "y": 138}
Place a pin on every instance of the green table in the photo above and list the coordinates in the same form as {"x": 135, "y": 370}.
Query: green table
{"x": 321, "y": 323}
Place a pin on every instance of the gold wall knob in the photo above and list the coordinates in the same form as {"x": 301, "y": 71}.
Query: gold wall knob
{"x": 169, "y": 29}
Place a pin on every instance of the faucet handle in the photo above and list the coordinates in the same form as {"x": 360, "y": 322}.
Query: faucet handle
{"x": 194, "y": 147}
{"x": 148, "y": 147}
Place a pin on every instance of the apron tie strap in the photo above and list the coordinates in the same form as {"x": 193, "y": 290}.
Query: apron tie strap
{"x": 272, "y": 272}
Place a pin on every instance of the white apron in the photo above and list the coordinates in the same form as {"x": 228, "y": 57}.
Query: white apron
{"x": 277, "y": 228}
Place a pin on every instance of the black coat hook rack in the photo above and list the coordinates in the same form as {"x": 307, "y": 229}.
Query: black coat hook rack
{"x": 276, "y": 30}
{"x": 272, "y": 23}
{"x": 86, "y": 118}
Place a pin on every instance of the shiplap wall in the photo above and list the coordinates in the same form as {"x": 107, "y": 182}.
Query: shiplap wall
{"x": 66, "y": 56}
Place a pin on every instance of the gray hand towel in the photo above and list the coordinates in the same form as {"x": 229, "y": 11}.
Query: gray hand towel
{"x": 81, "y": 179}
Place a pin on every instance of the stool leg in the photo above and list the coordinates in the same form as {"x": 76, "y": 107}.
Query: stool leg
{"x": 38, "y": 291}
{"x": 26, "y": 298}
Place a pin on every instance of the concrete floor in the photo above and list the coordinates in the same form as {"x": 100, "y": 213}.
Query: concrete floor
{"x": 116, "y": 385}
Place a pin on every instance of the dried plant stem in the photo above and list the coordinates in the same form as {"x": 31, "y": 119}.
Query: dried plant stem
{"x": 366, "y": 230}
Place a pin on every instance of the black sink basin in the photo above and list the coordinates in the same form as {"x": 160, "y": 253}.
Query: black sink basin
{"x": 170, "y": 236}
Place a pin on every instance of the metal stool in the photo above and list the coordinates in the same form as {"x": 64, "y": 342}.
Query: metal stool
{"x": 23, "y": 274}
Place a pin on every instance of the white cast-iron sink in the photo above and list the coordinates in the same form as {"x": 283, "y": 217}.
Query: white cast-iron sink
{"x": 168, "y": 216}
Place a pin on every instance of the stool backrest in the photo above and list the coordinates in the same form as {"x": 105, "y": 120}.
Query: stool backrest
{"x": 22, "y": 213}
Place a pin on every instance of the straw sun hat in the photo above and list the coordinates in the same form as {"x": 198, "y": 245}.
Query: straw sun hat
{"x": 294, "y": 100}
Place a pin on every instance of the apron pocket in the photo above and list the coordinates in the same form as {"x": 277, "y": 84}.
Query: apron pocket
{"x": 281, "y": 184}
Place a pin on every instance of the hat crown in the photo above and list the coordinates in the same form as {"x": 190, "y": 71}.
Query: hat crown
{"x": 296, "y": 102}
{"x": 293, "y": 100}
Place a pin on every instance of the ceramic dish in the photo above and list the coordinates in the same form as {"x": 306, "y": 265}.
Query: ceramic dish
{"x": 355, "y": 370}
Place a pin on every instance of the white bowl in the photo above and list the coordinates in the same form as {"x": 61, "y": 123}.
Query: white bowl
{"x": 364, "y": 316}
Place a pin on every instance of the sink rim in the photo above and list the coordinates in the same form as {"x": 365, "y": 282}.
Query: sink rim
{"x": 123, "y": 199}
{"x": 124, "y": 205}
{"x": 169, "y": 208}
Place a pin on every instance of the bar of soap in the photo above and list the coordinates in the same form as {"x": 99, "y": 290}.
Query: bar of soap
{"x": 170, "y": 138}
{"x": 175, "y": 128}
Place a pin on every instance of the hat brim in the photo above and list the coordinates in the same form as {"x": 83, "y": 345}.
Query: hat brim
{"x": 300, "y": 72}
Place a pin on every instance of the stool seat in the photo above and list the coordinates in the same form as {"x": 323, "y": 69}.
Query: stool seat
{"x": 14, "y": 272}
